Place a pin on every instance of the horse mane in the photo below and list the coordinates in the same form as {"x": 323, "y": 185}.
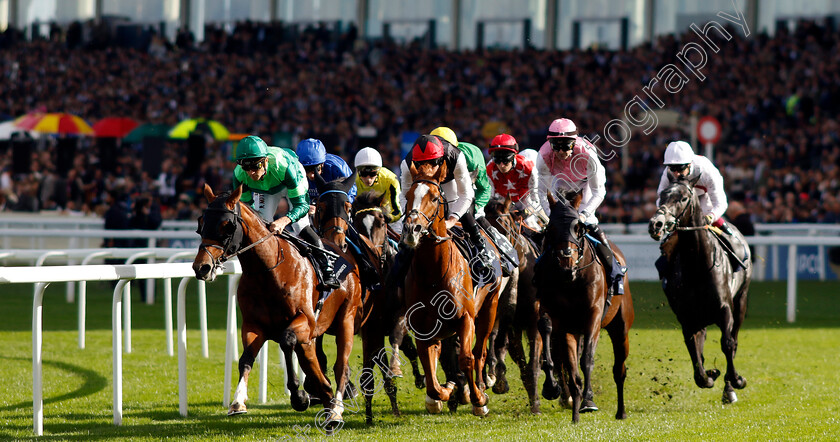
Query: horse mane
{"x": 367, "y": 199}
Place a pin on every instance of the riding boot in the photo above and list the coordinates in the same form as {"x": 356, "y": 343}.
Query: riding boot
{"x": 612, "y": 267}
{"x": 326, "y": 275}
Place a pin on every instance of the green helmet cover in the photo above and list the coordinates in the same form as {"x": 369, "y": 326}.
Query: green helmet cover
{"x": 250, "y": 147}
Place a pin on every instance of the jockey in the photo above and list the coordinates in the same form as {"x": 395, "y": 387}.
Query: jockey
{"x": 477, "y": 170}
{"x": 512, "y": 175}
{"x": 457, "y": 188}
{"x": 314, "y": 157}
{"x": 370, "y": 175}
{"x": 269, "y": 174}
{"x": 683, "y": 163}
{"x": 567, "y": 162}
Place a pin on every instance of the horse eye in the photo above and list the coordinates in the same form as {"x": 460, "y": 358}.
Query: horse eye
{"x": 229, "y": 228}
{"x": 685, "y": 199}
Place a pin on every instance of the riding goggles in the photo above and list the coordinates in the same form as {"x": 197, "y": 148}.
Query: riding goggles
{"x": 562, "y": 144}
{"x": 249, "y": 164}
{"x": 677, "y": 168}
{"x": 368, "y": 171}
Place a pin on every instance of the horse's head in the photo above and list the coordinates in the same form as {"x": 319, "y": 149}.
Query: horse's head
{"x": 498, "y": 214}
{"x": 221, "y": 232}
{"x": 678, "y": 205}
{"x": 565, "y": 234}
{"x": 332, "y": 213}
{"x": 425, "y": 206}
{"x": 368, "y": 218}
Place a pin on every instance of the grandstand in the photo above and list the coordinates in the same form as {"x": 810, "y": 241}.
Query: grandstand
{"x": 289, "y": 70}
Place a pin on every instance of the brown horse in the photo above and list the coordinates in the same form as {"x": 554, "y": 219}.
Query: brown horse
{"x": 573, "y": 292}
{"x": 518, "y": 311}
{"x": 439, "y": 293}
{"x": 277, "y": 296}
{"x": 332, "y": 219}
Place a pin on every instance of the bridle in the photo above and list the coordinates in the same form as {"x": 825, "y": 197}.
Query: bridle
{"x": 665, "y": 211}
{"x": 343, "y": 215}
{"x": 429, "y": 221}
{"x": 229, "y": 244}
{"x": 581, "y": 252}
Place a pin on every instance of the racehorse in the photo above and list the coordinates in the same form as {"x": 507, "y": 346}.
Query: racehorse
{"x": 573, "y": 290}
{"x": 332, "y": 219}
{"x": 439, "y": 285}
{"x": 701, "y": 283}
{"x": 277, "y": 296}
{"x": 518, "y": 310}
{"x": 370, "y": 222}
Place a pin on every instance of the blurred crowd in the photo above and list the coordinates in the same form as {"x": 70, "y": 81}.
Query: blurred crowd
{"x": 777, "y": 97}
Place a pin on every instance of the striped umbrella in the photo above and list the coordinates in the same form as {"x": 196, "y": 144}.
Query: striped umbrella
{"x": 55, "y": 123}
{"x": 183, "y": 129}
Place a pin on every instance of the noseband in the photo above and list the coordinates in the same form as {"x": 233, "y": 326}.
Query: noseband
{"x": 429, "y": 221}
{"x": 230, "y": 244}
{"x": 665, "y": 211}
{"x": 342, "y": 214}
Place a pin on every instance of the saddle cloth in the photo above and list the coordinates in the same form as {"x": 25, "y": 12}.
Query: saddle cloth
{"x": 481, "y": 276}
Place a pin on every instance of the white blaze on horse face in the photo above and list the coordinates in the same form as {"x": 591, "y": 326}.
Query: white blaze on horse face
{"x": 419, "y": 193}
{"x": 368, "y": 223}
{"x": 411, "y": 237}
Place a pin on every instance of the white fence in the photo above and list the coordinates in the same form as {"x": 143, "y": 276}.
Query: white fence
{"x": 43, "y": 276}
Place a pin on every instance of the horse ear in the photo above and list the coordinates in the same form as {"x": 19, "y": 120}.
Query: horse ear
{"x": 412, "y": 169}
{"x": 319, "y": 182}
{"x": 551, "y": 200}
{"x": 671, "y": 176}
{"x": 234, "y": 197}
{"x": 208, "y": 193}
{"x": 576, "y": 199}
{"x": 441, "y": 173}
{"x": 506, "y": 204}
{"x": 348, "y": 182}
{"x": 695, "y": 179}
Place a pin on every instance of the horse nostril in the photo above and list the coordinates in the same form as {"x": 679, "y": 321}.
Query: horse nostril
{"x": 204, "y": 269}
{"x": 417, "y": 228}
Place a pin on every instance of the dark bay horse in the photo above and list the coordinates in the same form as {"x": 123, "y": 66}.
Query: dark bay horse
{"x": 333, "y": 220}
{"x": 573, "y": 292}
{"x": 369, "y": 220}
{"x": 518, "y": 311}
{"x": 440, "y": 296}
{"x": 276, "y": 297}
{"x": 700, "y": 283}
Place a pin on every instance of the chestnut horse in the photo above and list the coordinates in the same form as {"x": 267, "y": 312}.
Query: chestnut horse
{"x": 439, "y": 284}
{"x": 573, "y": 292}
{"x": 518, "y": 311}
{"x": 701, "y": 283}
{"x": 277, "y": 297}
{"x": 332, "y": 219}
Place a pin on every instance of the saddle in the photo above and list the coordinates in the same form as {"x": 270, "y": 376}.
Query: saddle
{"x": 480, "y": 276}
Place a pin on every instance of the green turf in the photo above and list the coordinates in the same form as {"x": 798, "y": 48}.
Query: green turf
{"x": 791, "y": 370}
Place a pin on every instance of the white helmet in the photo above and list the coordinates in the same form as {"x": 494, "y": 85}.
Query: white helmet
{"x": 368, "y": 157}
{"x": 678, "y": 152}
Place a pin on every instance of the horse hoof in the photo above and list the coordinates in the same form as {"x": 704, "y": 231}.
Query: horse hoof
{"x": 481, "y": 411}
{"x": 713, "y": 373}
{"x": 395, "y": 371}
{"x": 588, "y": 406}
{"x": 729, "y": 397}
{"x": 420, "y": 382}
{"x": 237, "y": 408}
{"x": 501, "y": 386}
{"x": 740, "y": 383}
{"x": 433, "y": 406}
{"x": 491, "y": 380}
{"x": 334, "y": 425}
{"x": 300, "y": 400}
{"x": 550, "y": 392}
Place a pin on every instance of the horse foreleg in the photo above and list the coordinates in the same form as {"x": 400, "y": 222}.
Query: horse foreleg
{"x": 298, "y": 398}
{"x": 694, "y": 343}
{"x": 729, "y": 345}
{"x": 396, "y": 339}
{"x": 551, "y": 390}
{"x": 532, "y": 372}
{"x": 341, "y": 369}
{"x": 620, "y": 339}
{"x": 429, "y": 351}
{"x": 590, "y": 345}
{"x": 252, "y": 342}
{"x": 411, "y": 353}
{"x": 450, "y": 348}
{"x": 568, "y": 355}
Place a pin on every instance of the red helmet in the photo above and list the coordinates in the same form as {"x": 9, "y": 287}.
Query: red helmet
{"x": 504, "y": 142}
{"x": 427, "y": 147}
